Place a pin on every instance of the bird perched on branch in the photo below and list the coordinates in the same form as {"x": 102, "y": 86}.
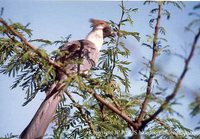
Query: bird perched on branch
{"x": 86, "y": 51}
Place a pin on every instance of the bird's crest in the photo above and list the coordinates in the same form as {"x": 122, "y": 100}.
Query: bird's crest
{"x": 96, "y": 22}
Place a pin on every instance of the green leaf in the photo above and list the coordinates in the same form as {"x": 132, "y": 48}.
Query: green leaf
{"x": 179, "y": 4}
{"x": 134, "y": 34}
{"x": 46, "y": 42}
{"x": 22, "y": 29}
{"x": 43, "y": 53}
{"x": 195, "y": 107}
{"x": 167, "y": 14}
{"x": 196, "y": 6}
{"x": 162, "y": 30}
{"x": 147, "y": 45}
{"x": 2, "y": 10}
{"x": 153, "y": 11}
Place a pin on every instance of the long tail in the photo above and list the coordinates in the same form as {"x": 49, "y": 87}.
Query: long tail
{"x": 44, "y": 115}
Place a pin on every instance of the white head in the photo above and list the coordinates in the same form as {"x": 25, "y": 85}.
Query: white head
{"x": 100, "y": 30}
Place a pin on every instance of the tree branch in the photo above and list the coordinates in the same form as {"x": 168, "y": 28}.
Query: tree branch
{"x": 152, "y": 68}
{"x": 178, "y": 84}
{"x": 35, "y": 49}
{"x": 51, "y": 62}
{"x": 110, "y": 106}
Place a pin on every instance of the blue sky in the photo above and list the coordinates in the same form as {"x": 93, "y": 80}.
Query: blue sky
{"x": 53, "y": 19}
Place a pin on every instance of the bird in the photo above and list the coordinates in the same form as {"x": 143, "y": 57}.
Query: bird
{"x": 84, "y": 50}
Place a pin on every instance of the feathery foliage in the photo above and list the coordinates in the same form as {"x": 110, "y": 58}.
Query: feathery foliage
{"x": 98, "y": 105}
{"x": 110, "y": 80}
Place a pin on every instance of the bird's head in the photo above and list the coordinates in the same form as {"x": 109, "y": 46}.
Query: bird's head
{"x": 101, "y": 24}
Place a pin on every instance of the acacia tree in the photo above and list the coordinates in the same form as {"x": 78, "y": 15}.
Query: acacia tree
{"x": 105, "y": 107}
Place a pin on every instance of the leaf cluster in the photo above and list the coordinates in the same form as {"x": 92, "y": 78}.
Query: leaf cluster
{"x": 30, "y": 71}
{"x": 9, "y": 136}
{"x": 195, "y": 109}
{"x": 109, "y": 80}
{"x": 167, "y": 127}
{"x": 80, "y": 114}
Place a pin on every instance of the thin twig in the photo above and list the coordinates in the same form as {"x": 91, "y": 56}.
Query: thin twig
{"x": 169, "y": 129}
{"x": 92, "y": 128}
{"x": 178, "y": 84}
{"x": 117, "y": 42}
{"x": 152, "y": 68}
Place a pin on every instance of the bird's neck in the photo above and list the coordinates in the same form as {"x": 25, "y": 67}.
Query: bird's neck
{"x": 96, "y": 37}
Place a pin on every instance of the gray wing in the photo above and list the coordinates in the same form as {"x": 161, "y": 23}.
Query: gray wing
{"x": 78, "y": 56}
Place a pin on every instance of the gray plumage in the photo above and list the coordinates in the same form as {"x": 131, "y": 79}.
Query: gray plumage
{"x": 77, "y": 57}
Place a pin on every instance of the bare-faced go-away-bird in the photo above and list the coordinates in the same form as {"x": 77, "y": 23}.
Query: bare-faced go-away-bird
{"x": 87, "y": 50}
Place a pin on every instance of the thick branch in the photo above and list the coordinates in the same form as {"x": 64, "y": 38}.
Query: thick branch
{"x": 152, "y": 68}
{"x": 114, "y": 109}
{"x": 110, "y": 106}
{"x": 178, "y": 84}
{"x": 35, "y": 49}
